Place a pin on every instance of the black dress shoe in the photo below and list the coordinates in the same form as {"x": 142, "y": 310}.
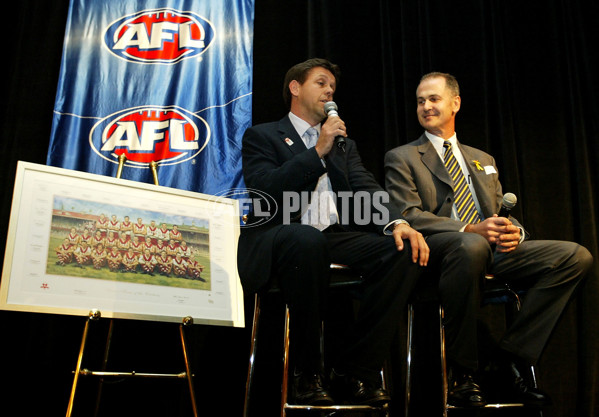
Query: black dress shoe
{"x": 520, "y": 391}
{"x": 358, "y": 392}
{"x": 464, "y": 392}
{"x": 309, "y": 389}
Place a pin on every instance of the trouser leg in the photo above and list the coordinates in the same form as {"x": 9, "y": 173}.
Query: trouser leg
{"x": 551, "y": 270}
{"x": 459, "y": 262}
{"x": 389, "y": 278}
{"x": 302, "y": 266}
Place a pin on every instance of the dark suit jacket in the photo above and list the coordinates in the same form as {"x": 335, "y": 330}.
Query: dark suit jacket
{"x": 276, "y": 160}
{"x": 419, "y": 183}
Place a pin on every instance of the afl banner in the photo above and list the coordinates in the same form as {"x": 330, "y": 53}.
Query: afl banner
{"x": 159, "y": 81}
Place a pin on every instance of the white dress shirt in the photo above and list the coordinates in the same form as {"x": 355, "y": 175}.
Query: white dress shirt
{"x": 315, "y": 215}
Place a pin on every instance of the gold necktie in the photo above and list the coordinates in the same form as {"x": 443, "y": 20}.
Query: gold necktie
{"x": 463, "y": 197}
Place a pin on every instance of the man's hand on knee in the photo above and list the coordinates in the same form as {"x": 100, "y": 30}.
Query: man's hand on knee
{"x": 420, "y": 250}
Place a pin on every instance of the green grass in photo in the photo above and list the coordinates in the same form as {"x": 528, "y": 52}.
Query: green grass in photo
{"x": 105, "y": 274}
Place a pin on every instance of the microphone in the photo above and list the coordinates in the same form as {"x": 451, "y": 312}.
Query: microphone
{"x": 508, "y": 203}
{"x": 330, "y": 108}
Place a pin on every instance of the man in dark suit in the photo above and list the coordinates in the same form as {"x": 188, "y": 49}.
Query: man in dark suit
{"x": 464, "y": 250}
{"x": 294, "y": 248}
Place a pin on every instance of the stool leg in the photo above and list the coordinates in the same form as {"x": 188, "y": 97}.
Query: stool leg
{"x": 443, "y": 360}
{"x": 284, "y": 385}
{"x": 253, "y": 345}
{"x": 409, "y": 337}
{"x": 444, "y": 382}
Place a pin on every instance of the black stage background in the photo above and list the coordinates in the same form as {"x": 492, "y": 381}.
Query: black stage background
{"x": 529, "y": 82}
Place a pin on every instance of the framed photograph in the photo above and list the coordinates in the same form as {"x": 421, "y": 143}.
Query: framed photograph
{"x": 79, "y": 242}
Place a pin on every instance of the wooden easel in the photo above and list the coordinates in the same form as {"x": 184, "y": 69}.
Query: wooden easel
{"x": 95, "y": 315}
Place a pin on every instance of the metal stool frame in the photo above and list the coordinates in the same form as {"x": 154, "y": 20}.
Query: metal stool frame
{"x": 342, "y": 277}
{"x": 502, "y": 293}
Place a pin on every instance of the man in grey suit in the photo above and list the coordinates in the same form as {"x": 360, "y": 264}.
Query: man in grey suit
{"x": 417, "y": 177}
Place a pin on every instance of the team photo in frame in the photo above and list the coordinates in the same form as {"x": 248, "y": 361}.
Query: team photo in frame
{"x": 170, "y": 251}
{"x": 81, "y": 241}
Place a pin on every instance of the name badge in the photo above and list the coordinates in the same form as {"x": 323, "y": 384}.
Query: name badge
{"x": 490, "y": 169}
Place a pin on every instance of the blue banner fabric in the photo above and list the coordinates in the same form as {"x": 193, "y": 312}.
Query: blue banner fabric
{"x": 167, "y": 83}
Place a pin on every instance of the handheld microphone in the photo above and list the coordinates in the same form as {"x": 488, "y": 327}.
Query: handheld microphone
{"x": 330, "y": 108}
{"x": 508, "y": 203}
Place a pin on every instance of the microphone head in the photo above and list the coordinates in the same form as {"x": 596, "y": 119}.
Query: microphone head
{"x": 330, "y": 106}
{"x": 509, "y": 200}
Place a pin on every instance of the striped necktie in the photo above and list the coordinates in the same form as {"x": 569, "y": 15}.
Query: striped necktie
{"x": 463, "y": 197}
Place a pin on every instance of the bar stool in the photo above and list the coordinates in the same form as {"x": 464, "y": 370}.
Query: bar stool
{"x": 495, "y": 291}
{"x": 342, "y": 277}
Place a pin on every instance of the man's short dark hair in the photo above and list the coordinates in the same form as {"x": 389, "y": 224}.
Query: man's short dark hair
{"x": 299, "y": 73}
{"x": 450, "y": 81}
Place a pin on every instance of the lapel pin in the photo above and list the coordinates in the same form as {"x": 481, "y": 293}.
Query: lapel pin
{"x": 288, "y": 141}
{"x": 478, "y": 165}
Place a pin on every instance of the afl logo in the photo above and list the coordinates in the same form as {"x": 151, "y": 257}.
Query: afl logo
{"x": 263, "y": 205}
{"x": 159, "y": 36}
{"x": 165, "y": 135}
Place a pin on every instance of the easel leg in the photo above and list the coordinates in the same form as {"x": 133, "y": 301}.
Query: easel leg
{"x": 93, "y": 315}
{"x": 188, "y": 321}
{"x": 104, "y": 366}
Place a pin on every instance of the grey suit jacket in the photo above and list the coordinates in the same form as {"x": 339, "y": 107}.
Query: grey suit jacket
{"x": 418, "y": 182}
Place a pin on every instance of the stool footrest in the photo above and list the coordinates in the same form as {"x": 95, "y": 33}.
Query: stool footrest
{"x": 500, "y": 405}
{"x": 333, "y": 407}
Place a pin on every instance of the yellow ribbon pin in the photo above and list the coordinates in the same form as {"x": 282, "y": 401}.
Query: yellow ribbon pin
{"x": 478, "y": 165}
